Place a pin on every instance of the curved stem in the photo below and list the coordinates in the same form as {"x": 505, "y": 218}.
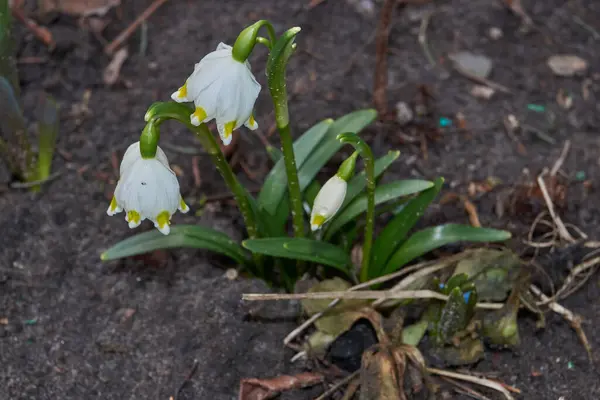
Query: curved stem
{"x": 276, "y": 68}
{"x": 264, "y": 41}
{"x": 367, "y": 155}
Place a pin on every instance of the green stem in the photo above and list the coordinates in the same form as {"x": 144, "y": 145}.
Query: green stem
{"x": 367, "y": 155}
{"x": 276, "y": 67}
{"x": 239, "y": 192}
{"x": 289, "y": 160}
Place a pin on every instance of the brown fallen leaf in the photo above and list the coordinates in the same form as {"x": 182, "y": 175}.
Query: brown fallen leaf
{"x": 263, "y": 389}
{"x": 83, "y": 8}
{"x": 112, "y": 71}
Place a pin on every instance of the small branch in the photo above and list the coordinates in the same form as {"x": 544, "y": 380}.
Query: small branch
{"x": 574, "y": 320}
{"x": 480, "y": 80}
{"x": 381, "y": 50}
{"x": 366, "y": 295}
{"x": 423, "y": 37}
{"x": 473, "y": 379}
{"x": 338, "y": 385}
{"x": 562, "y": 230}
{"x": 27, "y": 185}
{"x": 123, "y": 36}
{"x": 561, "y": 159}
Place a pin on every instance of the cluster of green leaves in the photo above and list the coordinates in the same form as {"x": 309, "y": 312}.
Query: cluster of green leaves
{"x": 392, "y": 249}
{"x": 15, "y": 147}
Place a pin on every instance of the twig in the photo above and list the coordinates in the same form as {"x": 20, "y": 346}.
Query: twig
{"x": 561, "y": 159}
{"x": 562, "y": 230}
{"x": 27, "y": 185}
{"x": 473, "y": 379}
{"x": 367, "y": 295}
{"x": 578, "y": 269}
{"x": 338, "y": 385}
{"x": 467, "y": 390}
{"x": 381, "y": 50}
{"x": 42, "y": 33}
{"x": 423, "y": 36}
{"x": 479, "y": 79}
{"x": 112, "y": 46}
{"x": 187, "y": 379}
{"x": 574, "y": 320}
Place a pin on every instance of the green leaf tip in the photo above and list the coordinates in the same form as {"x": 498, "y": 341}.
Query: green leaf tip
{"x": 103, "y": 257}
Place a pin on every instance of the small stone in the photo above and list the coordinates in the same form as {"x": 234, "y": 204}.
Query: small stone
{"x": 567, "y": 65}
{"x": 495, "y": 33}
{"x": 404, "y": 114}
{"x": 476, "y": 64}
{"x": 482, "y": 92}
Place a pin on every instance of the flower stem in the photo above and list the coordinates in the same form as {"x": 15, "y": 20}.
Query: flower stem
{"x": 367, "y": 155}
{"x": 276, "y": 67}
{"x": 293, "y": 182}
{"x": 239, "y": 192}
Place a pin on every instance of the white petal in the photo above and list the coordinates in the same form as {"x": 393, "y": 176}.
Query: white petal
{"x": 251, "y": 124}
{"x": 133, "y": 154}
{"x": 329, "y": 199}
{"x": 149, "y": 188}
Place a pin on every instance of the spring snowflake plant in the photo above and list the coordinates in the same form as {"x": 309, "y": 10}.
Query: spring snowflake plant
{"x": 340, "y": 213}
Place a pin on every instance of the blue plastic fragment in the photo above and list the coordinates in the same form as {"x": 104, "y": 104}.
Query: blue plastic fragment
{"x": 445, "y": 122}
{"x": 466, "y": 296}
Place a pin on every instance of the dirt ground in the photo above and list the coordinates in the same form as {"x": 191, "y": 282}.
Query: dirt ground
{"x": 78, "y": 328}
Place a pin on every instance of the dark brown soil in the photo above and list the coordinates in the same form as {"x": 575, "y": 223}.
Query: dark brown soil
{"x": 70, "y": 331}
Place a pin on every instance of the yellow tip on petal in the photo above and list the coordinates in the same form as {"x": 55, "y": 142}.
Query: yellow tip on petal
{"x": 180, "y": 95}
{"x": 162, "y": 222}
{"x": 133, "y": 218}
{"x": 198, "y": 116}
{"x": 317, "y": 221}
{"x": 182, "y": 206}
{"x": 113, "y": 207}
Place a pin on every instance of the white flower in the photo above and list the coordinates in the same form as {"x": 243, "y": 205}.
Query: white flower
{"x": 221, "y": 88}
{"x": 147, "y": 189}
{"x": 328, "y": 201}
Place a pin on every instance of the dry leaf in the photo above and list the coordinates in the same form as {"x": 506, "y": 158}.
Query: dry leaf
{"x": 83, "y": 8}
{"x": 263, "y": 389}
{"x": 111, "y": 73}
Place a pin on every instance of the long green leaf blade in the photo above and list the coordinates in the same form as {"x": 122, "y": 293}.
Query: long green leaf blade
{"x": 432, "y": 238}
{"x": 184, "y": 236}
{"x": 275, "y": 185}
{"x": 396, "y": 230}
{"x": 353, "y": 122}
{"x": 301, "y": 249}
{"x": 383, "y": 193}
{"x": 358, "y": 182}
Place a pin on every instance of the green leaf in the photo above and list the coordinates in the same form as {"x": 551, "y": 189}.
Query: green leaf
{"x": 184, "y": 236}
{"x": 275, "y": 186}
{"x": 383, "y": 193}
{"x": 353, "y": 122}
{"x": 48, "y": 132}
{"x": 301, "y": 249}
{"x": 396, "y": 230}
{"x": 358, "y": 182}
{"x": 429, "y": 239}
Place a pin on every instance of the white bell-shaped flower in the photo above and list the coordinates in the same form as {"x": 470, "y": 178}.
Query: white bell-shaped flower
{"x": 221, "y": 88}
{"x": 147, "y": 189}
{"x": 328, "y": 201}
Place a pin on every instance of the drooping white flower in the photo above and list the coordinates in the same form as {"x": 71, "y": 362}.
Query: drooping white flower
{"x": 221, "y": 88}
{"x": 328, "y": 201}
{"x": 147, "y": 189}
